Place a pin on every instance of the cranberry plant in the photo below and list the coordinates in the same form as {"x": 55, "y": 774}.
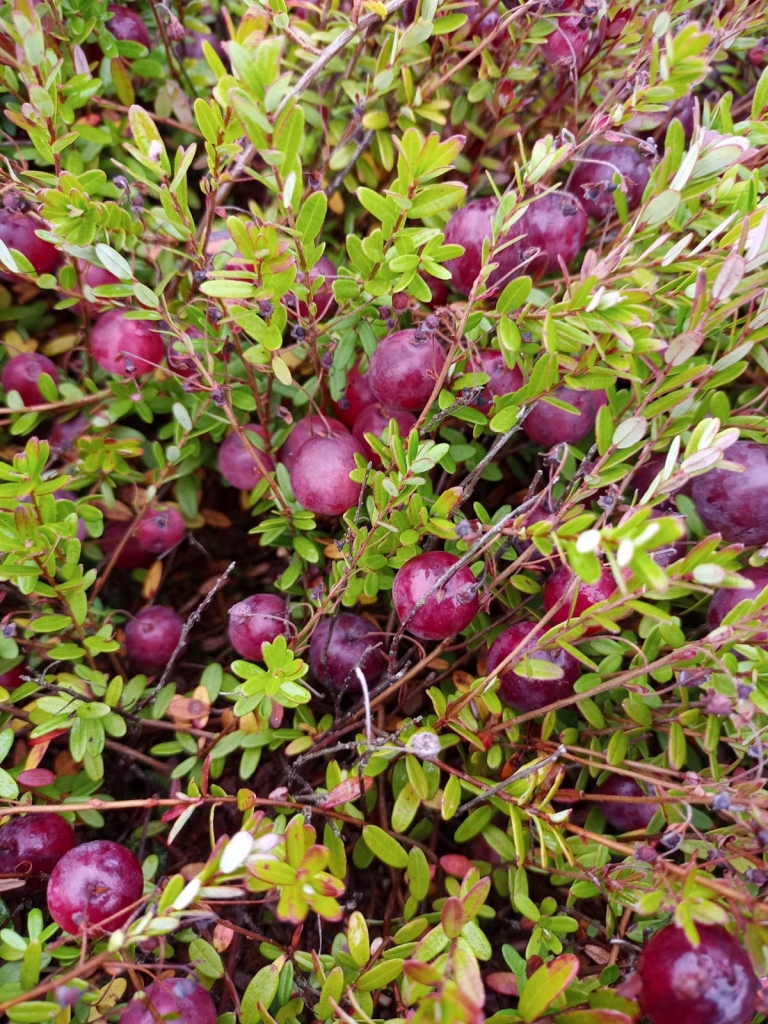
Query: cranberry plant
{"x": 383, "y": 543}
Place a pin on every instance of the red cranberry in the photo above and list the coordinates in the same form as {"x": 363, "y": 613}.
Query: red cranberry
{"x": 152, "y": 636}
{"x": 94, "y": 883}
{"x": 333, "y": 662}
{"x": 439, "y": 290}
{"x": 65, "y": 432}
{"x": 243, "y": 466}
{"x": 600, "y": 163}
{"x": 375, "y": 420}
{"x": 519, "y": 691}
{"x": 356, "y": 396}
{"x": 127, "y": 348}
{"x": 257, "y": 620}
{"x": 12, "y": 679}
{"x": 323, "y": 297}
{"x": 448, "y": 609}
{"x": 567, "y": 44}
{"x": 404, "y": 369}
{"x": 125, "y": 24}
{"x": 34, "y": 843}
{"x": 303, "y": 431}
{"x": 160, "y": 529}
{"x": 587, "y": 594}
{"x": 92, "y": 276}
{"x": 627, "y": 817}
{"x": 21, "y": 373}
{"x": 19, "y": 232}
{"x": 547, "y": 425}
{"x": 179, "y": 999}
{"x": 712, "y": 983}
{"x": 132, "y": 555}
{"x": 726, "y": 600}
{"x": 503, "y": 380}
{"x": 733, "y": 504}
{"x": 320, "y": 474}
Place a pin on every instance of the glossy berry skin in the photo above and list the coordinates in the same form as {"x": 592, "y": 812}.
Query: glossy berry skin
{"x": 726, "y": 600}
{"x": 530, "y": 694}
{"x": 160, "y": 530}
{"x": 547, "y": 425}
{"x": 257, "y": 620}
{"x": 12, "y": 678}
{"x": 127, "y": 348}
{"x": 448, "y": 609}
{"x": 403, "y": 370}
{"x": 323, "y": 297}
{"x": 600, "y": 162}
{"x": 333, "y": 665}
{"x": 375, "y": 420}
{"x": 686, "y": 984}
{"x": 439, "y": 290}
{"x": 126, "y": 24}
{"x": 357, "y": 395}
{"x": 555, "y": 224}
{"x": 92, "y": 276}
{"x": 503, "y": 380}
{"x": 17, "y": 230}
{"x": 587, "y": 595}
{"x": 320, "y": 475}
{"x": 93, "y": 882}
{"x": 243, "y": 465}
{"x": 152, "y": 636}
{"x": 625, "y": 817}
{"x": 131, "y": 556}
{"x": 21, "y": 373}
{"x": 34, "y": 843}
{"x": 180, "y": 999}
{"x": 307, "y": 428}
{"x": 567, "y": 44}
{"x": 733, "y": 504}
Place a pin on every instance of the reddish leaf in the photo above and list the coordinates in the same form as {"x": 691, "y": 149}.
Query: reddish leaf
{"x": 546, "y": 984}
{"x": 593, "y": 1016}
{"x": 503, "y": 982}
{"x": 424, "y": 974}
{"x": 453, "y": 917}
{"x": 455, "y": 864}
{"x": 346, "y": 791}
{"x": 36, "y": 778}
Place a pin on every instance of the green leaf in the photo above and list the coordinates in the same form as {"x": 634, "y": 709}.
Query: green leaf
{"x": 50, "y": 623}
{"x": 311, "y": 217}
{"x": 405, "y": 808}
{"x": 147, "y": 137}
{"x": 546, "y": 984}
{"x": 597, "y": 1015}
{"x": 417, "y": 874}
{"x": 514, "y": 296}
{"x": 380, "y": 976}
{"x": 358, "y": 940}
{"x": 385, "y": 847}
{"x": 8, "y": 788}
{"x": 261, "y": 989}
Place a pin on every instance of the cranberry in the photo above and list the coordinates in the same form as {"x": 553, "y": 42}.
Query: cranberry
{"x": 356, "y": 396}
{"x": 65, "y": 432}
{"x": 323, "y": 296}
{"x": 733, "y": 504}
{"x": 587, "y": 595}
{"x": 160, "y": 529}
{"x": 34, "y": 843}
{"x": 179, "y": 999}
{"x": 125, "y": 24}
{"x": 131, "y": 556}
{"x": 375, "y": 420}
{"x": 625, "y": 817}
{"x": 600, "y": 163}
{"x": 303, "y": 431}
{"x": 12, "y": 679}
{"x": 448, "y": 609}
{"x": 243, "y": 466}
{"x": 93, "y": 883}
{"x": 320, "y": 474}
{"x": 257, "y": 620}
{"x": 19, "y": 232}
{"x": 712, "y": 983}
{"x": 519, "y": 691}
{"x": 503, "y": 380}
{"x": 333, "y": 662}
{"x": 567, "y": 44}
{"x": 21, "y": 373}
{"x": 726, "y": 600}
{"x": 92, "y": 276}
{"x": 128, "y": 348}
{"x": 547, "y": 425}
{"x": 152, "y": 636}
{"x": 404, "y": 369}
{"x": 438, "y": 288}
